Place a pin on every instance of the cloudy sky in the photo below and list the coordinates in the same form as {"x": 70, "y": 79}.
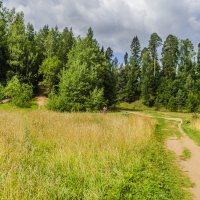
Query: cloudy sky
{"x": 115, "y": 22}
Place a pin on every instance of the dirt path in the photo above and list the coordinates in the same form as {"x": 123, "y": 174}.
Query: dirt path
{"x": 41, "y": 100}
{"x": 190, "y": 166}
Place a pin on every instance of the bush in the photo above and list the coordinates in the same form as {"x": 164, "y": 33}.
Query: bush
{"x": 57, "y": 103}
{"x": 20, "y": 94}
{"x": 93, "y": 103}
{"x": 96, "y": 100}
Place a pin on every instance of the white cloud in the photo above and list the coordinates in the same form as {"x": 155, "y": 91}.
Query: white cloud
{"x": 115, "y": 22}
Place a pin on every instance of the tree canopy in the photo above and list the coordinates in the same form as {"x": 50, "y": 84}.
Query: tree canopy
{"x": 82, "y": 75}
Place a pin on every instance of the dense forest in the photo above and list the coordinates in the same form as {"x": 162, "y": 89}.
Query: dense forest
{"x": 81, "y": 75}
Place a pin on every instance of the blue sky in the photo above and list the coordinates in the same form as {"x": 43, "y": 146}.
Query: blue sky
{"x": 116, "y": 22}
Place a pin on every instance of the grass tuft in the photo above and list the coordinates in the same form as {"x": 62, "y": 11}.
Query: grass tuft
{"x": 186, "y": 154}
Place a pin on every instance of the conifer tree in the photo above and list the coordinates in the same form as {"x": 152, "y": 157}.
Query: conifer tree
{"x": 155, "y": 42}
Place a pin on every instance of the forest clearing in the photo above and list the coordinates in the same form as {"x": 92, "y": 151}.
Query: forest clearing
{"x": 50, "y": 155}
{"x": 99, "y": 100}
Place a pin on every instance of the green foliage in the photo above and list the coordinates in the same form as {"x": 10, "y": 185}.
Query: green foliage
{"x": 66, "y": 42}
{"x": 154, "y": 42}
{"x": 147, "y": 79}
{"x": 192, "y": 102}
{"x": 96, "y": 100}
{"x": 20, "y": 94}
{"x": 135, "y": 50}
{"x": 84, "y": 82}
{"x": 50, "y": 69}
{"x": 135, "y": 106}
{"x": 129, "y": 75}
{"x": 51, "y": 43}
{"x": 170, "y": 55}
{"x": 16, "y": 47}
{"x": 172, "y": 104}
{"x": 180, "y": 99}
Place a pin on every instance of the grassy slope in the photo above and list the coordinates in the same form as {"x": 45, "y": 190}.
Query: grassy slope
{"x": 46, "y": 155}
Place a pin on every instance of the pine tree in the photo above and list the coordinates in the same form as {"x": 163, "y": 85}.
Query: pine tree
{"x": 168, "y": 85}
{"x": 66, "y": 42}
{"x": 51, "y": 43}
{"x": 170, "y": 56}
{"x": 155, "y": 42}
{"x": 136, "y": 50}
{"x": 30, "y": 73}
{"x": 16, "y": 46}
{"x": 147, "y": 78}
{"x": 132, "y": 89}
{"x": 126, "y": 58}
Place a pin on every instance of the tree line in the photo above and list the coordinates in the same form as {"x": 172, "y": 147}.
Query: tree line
{"x": 81, "y": 75}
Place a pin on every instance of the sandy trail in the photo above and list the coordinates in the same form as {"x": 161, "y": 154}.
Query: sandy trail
{"x": 41, "y": 100}
{"x": 190, "y": 166}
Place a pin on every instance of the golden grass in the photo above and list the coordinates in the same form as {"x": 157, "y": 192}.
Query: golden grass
{"x": 47, "y": 155}
{"x": 195, "y": 124}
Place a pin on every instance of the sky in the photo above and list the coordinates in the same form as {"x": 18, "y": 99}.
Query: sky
{"x": 116, "y": 22}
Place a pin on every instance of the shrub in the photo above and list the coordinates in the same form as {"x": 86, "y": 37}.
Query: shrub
{"x": 19, "y": 93}
{"x": 96, "y": 100}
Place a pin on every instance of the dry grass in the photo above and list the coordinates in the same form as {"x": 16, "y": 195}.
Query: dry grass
{"x": 195, "y": 124}
{"x": 46, "y": 155}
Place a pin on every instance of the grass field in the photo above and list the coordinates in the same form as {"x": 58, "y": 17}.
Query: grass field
{"x": 48, "y": 155}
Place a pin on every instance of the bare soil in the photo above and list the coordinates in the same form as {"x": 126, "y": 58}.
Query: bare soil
{"x": 41, "y": 100}
{"x": 191, "y": 165}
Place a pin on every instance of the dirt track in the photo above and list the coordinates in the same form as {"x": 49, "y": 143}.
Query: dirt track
{"x": 41, "y": 100}
{"x": 189, "y": 166}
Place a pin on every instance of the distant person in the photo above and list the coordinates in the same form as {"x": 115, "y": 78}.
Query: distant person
{"x": 105, "y": 109}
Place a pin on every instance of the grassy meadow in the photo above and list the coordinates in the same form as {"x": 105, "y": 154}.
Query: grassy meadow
{"x": 49, "y": 155}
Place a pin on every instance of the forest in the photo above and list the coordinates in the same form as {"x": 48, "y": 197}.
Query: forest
{"x": 81, "y": 75}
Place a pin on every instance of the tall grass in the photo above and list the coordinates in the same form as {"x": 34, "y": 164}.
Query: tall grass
{"x": 192, "y": 127}
{"x": 47, "y": 155}
{"x": 195, "y": 124}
